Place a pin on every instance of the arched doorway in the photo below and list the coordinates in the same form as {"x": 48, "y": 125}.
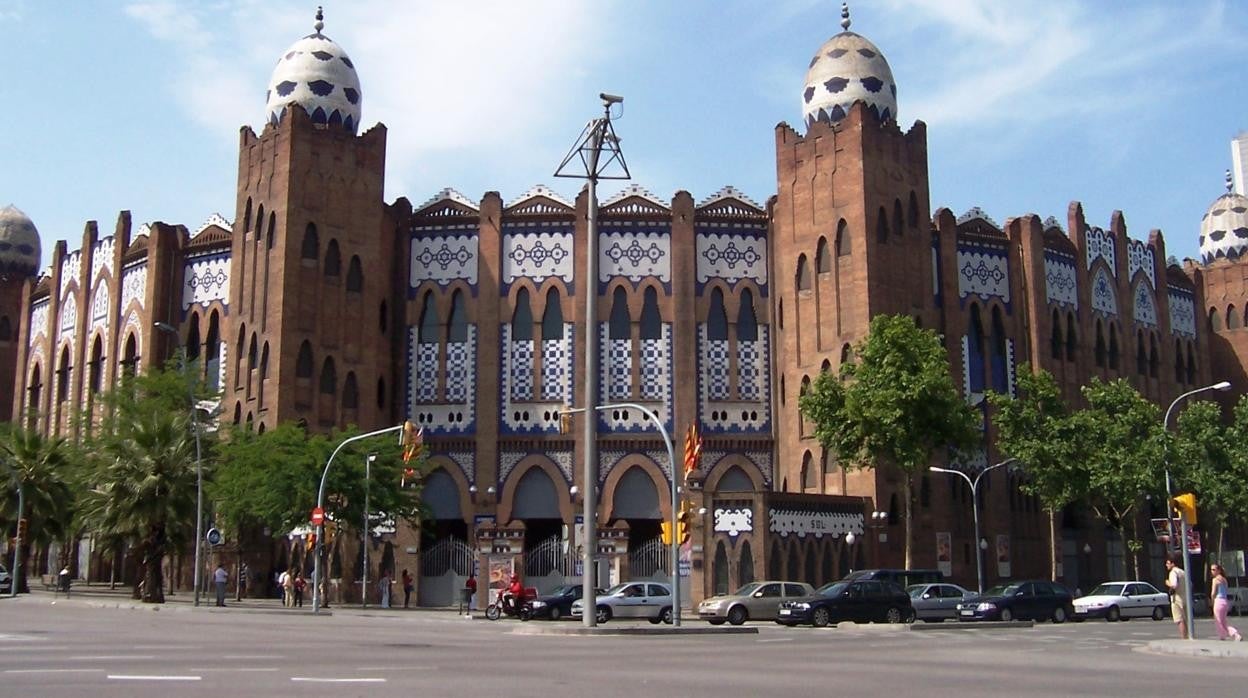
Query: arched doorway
{"x": 536, "y": 503}
{"x": 445, "y": 555}
{"x": 636, "y": 501}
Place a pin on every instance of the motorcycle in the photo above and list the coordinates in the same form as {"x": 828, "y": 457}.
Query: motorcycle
{"x": 518, "y": 608}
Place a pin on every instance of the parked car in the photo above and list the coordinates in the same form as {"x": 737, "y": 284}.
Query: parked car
{"x": 1116, "y": 600}
{"x": 6, "y": 581}
{"x": 647, "y": 600}
{"x": 754, "y": 601}
{"x": 936, "y": 602}
{"x": 558, "y": 603}
{"x": 1027, "y": 600}
{"x": 902, "y": 578}
{"x": 860, "y": 601}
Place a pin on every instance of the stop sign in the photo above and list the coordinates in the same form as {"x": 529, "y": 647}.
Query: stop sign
{"x": 318, "y": 516}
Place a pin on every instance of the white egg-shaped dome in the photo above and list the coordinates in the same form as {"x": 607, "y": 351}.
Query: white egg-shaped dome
{"x": 319, "y": 76}
{"x": 19, "y": 242}
{"x": 848, "y": 68}
{"x": 1224, "y": 229}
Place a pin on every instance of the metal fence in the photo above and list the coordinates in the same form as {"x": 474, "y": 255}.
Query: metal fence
{"x": 647, "y": 558}
{"x": 446, "y": 555}
{"x": 547, "y": 558}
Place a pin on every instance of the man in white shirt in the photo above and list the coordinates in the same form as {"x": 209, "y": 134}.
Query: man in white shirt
{"x": 219, "y": 578}
{"x": 1176, "y": 582}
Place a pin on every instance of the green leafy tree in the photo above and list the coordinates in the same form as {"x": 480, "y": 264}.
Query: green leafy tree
{"x": 895, "y": 405}
{"x": 40, "y": 465}
{"x": 1121, "y": 435}
{"x": 1204, "y": 458}
{"x": 1036, "y": 428}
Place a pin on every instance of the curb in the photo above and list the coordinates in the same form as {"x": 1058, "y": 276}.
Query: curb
{"x": 1188, "y": 648}
{"x": 978, "y": 625}
{"x": 531, "y": 629}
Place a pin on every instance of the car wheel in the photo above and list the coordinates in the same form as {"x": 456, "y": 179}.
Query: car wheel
{"x": 1059, "y": 615}
{"x": 715, "y": 621}
{"x": 525, "y": 613}
{"x": 1007, "y": 615}
{"x": 492, "y": 611}
{"x": 555, "y": 613}
{"x": 603, "y": 614}
{"x": 1113, "y": 615}
{"x": 654, "y": 621}
{"x": 666, "y": 615}
{"x": 893, "y": 615}
{"x": 1159, "y": 613}
{"x": 737, "y": 615}
{"x": 820, "y": 617}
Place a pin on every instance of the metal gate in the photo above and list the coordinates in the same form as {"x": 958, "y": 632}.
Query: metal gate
{"x": 547, "y": 564}
{"x": 648, "y": 560}
{"x": 444, "y": 567}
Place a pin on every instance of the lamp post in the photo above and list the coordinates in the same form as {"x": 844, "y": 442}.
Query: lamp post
{"x": 199, "y": 469}
{"x": 1187, "y": 556}
{"x": 368, "y": 470}
{"x": 980, "y": 545}
{"x": 850, "y": 539}
{"x": 597, "y": 139}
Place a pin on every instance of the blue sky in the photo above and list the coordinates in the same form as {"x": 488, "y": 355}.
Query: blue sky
{"x": 1029, "y": 105}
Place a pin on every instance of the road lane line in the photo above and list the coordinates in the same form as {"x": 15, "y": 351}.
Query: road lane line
{"x": 151, "y": 677}
{"x": 232, "y": 669}
{"x": 52, "y": 671}
{"x": 252, "y": 656}
{"x": 109, "y": 657}
{"x": 309, "y": 679}
{"x": 778, "y": 639}
{"x": 396, "y": 668}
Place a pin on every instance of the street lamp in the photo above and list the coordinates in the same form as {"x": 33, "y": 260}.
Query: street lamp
{"x": 199, "y": 469}
{"x": 368, "y": 470}
{"x": 980, "y": 543}
{"x": 1187, "y": 556}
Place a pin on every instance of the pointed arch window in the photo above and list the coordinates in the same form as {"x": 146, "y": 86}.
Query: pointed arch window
{"x": 428, "y": 320}
{"x": 1153, "y": 359}
{"x": 1215, "y": 321}
{"x": 1114, "y": 354}
{"x": 457, "y": 328}
{"x": 842, "y": 239}
{"x": 1055, "y": 338}
{"x": 259, "y": 224}
{"x": 253, "y": 355}
{"x": 898, "y": 220}
{"x": 247, "y": 216}
{"x": 552, "y": 317}
{"x": 303, "y": 364}
{"x": 881, "y": 227}
{"x": 1178, "y": 362}
{"x": 976, "y": 344}
{"x": 745, "y": 566}
{"x": 34, "y": 392}
{"x": 823, "y": 263}
{"x": 999, "y": 368}
{"x": 747, "y": 323}
{"x": 212, "y": 351}
{"x": 329, "y": 377}
{"x": 1072, "y": 343}
{"x": 1232, "y": 318}
{"x": 1100, "y": 345}
{"x": 350, "y": 392}
{"x": 355, "y": 275}
{"x": 847, "y": 353}
{"x": 264, "y": 373}
{"x": 192, "y": 346}
{"x": 1191, "y": 364}
{"x": 271, "y": 237}
{"x": 63, "y": 377}
{"x": 651, "y": 320}
{"x": 618, "y": 326}
{"x": 808, "y": 472}
{"x": 717, "y": 317}
{"x": 803, "y": 274}
{"x": 240, "y": 350}
{"x": 914, "y": 210}
{"x": 130, "y": 356}
{"x": 311, "y": 243}
{"x": 1141, "y": 356}
{"x": 333, "y": 260}
{"x": 522, "y": 317}
{"x": 97, "y": 365}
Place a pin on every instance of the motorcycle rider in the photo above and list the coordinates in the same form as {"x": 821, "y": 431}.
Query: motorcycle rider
{"x": 514, "y": 595}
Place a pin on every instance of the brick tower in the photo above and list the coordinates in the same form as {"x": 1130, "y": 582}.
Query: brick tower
{"x": 19, "y": 260}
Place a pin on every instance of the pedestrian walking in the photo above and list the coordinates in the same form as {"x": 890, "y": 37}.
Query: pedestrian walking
{"x": 384, "y": 587}
{"x": 300, "y": 585}
{"x": 244, "y": 576}
{"x": 407, "y": 588}
{"x": 1221, "y": 603}
{"x": 1176, "y": 582}
{"x": 470, "y": 593}
{"x": 219, "y": 579}
{"x": 288, "y": 589}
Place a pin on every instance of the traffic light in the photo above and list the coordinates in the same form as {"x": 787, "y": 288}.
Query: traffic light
{"x": 22, "y": 527}
{"x": 665, "y": 532}
{"x": 683, "y": 524}
{"x": 565, "y": 423}
{"x": 1185, "y": 504}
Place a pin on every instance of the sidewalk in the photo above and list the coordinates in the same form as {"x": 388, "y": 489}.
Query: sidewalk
{"x": 1198, "y": 648}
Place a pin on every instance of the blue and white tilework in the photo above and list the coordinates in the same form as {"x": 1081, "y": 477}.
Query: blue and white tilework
{"x": 1145, "y": 308}
{"x": 460, "y": 368}
{"x": 444, "y": 258}
{"x": 205, "y": 279}
{"x": 509, "y": 459}
{"x": 131, "y": 328}
{"x": 1182, "y": 312}
{"x": 785, "y": 522}
{"x": 1140, "y": 257}
{"x": 607, "y": 460}
{"x": 730, "y": 201}
{"x": 751, "y": 368}
{"x": 523, "y": 411}
{"x": 983, "y": 271}
{"x": 456, "y": 414}
{"x": 467, "y": 462}
{"x": 617, "y": 365}
{"x": 520, "y": 371}
{"x": 972, "y": 461}
{"x": 557, "y": 367}
{"x": 751, "y": 411}
{"x": 625, "y": 250}
{"x": 733, "y": 521}
{"x": 133, "y": 285}
{"x": 69, "y": 317}
{"x": 102, "y": 258}
{"x": 538, "y": 252}
{"x": 1104, "y": 296}
{"x": 1101, "y": 246}
{"x": 38, "y": 321}
{"x": 760, "y": 459}
{"x": 1060, "y": 285}
{"x": 71, "y": 267}
{"x": 316, "y": 74}
{"x": 100, "y": 309}
{"x": 616, "y": 381}
{"x": 730, "y": 256}
{"x": 654, "y": 376}
{"x": 1010, "y": 375}
{"x": 716, "y": 371}
{"x": 972, "y": 382}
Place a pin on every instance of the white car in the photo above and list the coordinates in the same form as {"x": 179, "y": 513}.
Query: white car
{"x": 647, "y": 600}
{"x": 6, "y": 581}
{"x": 1116, "y": 600}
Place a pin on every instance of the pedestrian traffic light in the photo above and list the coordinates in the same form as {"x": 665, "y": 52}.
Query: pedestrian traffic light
{"x": 22, "y": 527}
{"x": 665, "y": 532}
{"x": 1185, "y": 504}
{"x": 565, "y": 423}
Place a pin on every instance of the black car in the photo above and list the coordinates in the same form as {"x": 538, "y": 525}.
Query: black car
{"x": 902, "y": 578}
{"x": 1037, "y": 599}
{"x": 857, "y": 600}
{"x": 558, "y": 603}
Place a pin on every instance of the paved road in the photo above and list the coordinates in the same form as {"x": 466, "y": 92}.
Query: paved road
{"x": 74, "y": 650}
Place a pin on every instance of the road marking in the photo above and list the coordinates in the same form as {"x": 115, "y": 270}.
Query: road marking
{"x": 41, "y": 648}
{"x": 87, "y": 657}
{"x": 396, "y": 668}
{"x": 151, "y": 677}
{"x": 165, "y": 647}
{"x": 778, "y": 639}
{"x": 308, "y": 679}
{"x": 51, "y": 671}
{"x": 232, "y": 669}
{"x": 252, "y": 656}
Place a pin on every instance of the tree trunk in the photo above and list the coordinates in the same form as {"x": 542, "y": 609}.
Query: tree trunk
{"x": 1134, "y": 544}
{"x": 1054, "y": 550}
{"x": 153, "y": 556}
{"x": 905, "y": 489}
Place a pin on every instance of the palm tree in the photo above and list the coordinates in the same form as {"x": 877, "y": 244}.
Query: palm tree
{"x": 40, "y": 464}
{"x": 145, "y": 491}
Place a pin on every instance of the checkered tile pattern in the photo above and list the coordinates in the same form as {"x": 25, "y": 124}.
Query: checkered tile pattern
{"x": 654, "y": 376}
{"x": 424, "y": 371}
{"x": 521, "y": 370}
{"x": 459, "y": 363}
{"x": 749, "y": 370}
{"x": 557, "y": 368}
{"x": 715, "y": 368}
{"x": 619, "y": 368}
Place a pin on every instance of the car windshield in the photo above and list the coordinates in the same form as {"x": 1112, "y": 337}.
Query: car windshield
{"x": 1002, "y": 590}
{"x": 565, "y": 590}
{"x": 1107, "y": 590}
{"x": 614, "y": 590}
{"x": 747, "y": 589}
{"x": 916, "y": 590}
{"x": 832, "y": 589}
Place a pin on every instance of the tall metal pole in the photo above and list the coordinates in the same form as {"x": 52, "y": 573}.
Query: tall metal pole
{"x": 199, "y": 468}
{"x": 979, "y": 552}
{"x": 1187, "y": 556}
{"x": 597, "y": 134}
{"x": 368, "y": 465}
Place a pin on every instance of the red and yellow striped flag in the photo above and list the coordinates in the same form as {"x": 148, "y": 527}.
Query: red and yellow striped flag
{"x": 693, "y": 449}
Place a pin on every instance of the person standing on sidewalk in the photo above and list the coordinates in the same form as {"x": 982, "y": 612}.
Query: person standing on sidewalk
{"x": 1221, "y": 603}
{"x": 300, "y": 585}
{"x": 384, "y": 587}
{"x": 220, "y": 578}
{"x": 1176, "y": 582}
{"x": 407, "y": 588}
{"x": 288, "y": 589}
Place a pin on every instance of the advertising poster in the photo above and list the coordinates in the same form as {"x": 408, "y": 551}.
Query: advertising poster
{"x": 1003, "y": 555}
{"x": 944, "y": 553}
{"x": 501, "y": 569}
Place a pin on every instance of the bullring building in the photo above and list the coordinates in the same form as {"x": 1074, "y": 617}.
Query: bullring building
{"x": 316, "y": 301}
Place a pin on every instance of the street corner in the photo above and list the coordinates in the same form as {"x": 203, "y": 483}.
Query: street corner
{"x": 1214, "y": 649}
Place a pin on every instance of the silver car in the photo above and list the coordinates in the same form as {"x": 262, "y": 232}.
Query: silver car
{"x": 936, "y": 602}
{"x": 754, "y": 601}
{"x": 647, "y": 600}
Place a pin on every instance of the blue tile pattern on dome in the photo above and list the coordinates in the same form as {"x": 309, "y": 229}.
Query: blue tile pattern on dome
{"x": 308, "y": 75}
{"x": 1224, "y": 228}
{"x": 846, "y": 69}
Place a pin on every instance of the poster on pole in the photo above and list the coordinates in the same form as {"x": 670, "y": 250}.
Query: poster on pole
{"x": 1003, "y": 555}
{"x": 944, "y": 553}
{"x": 501, "y": 569}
